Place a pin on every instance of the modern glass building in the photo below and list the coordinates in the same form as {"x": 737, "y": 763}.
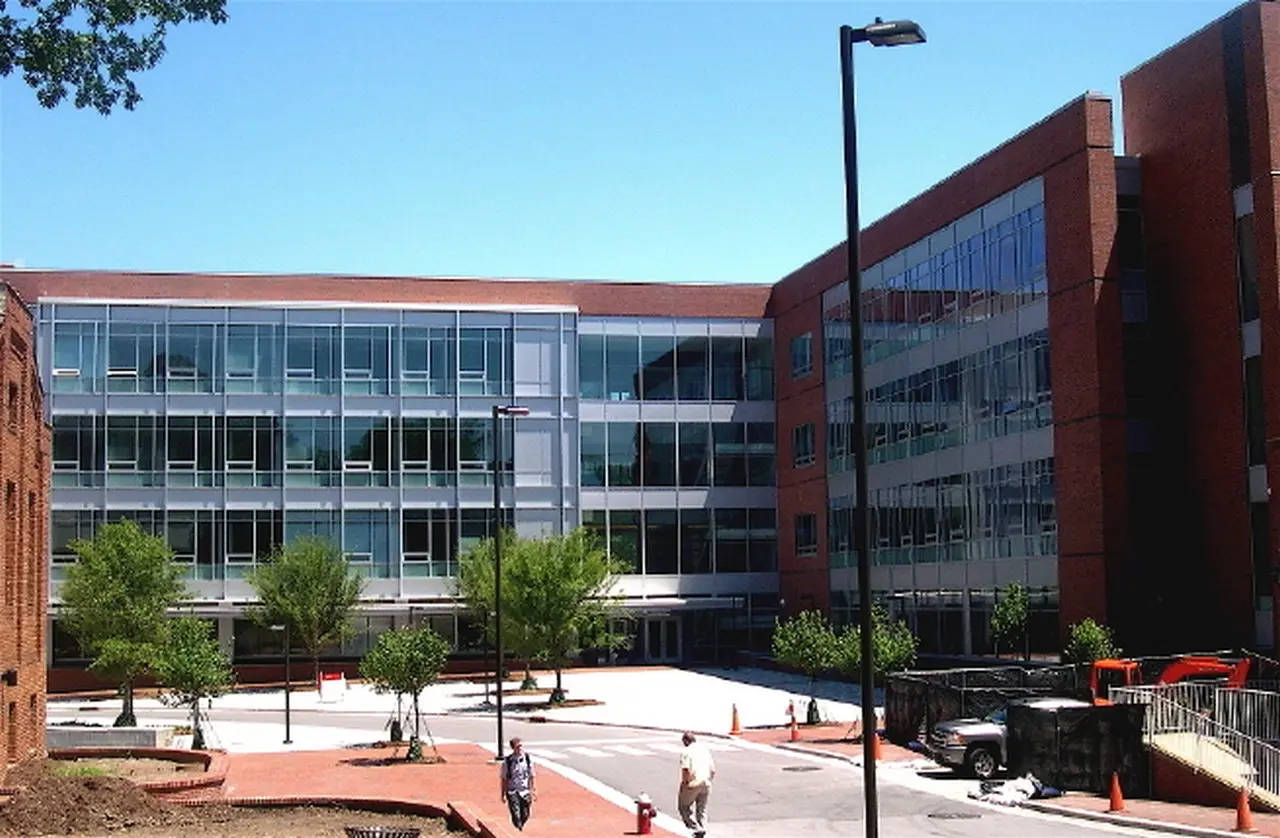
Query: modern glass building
{"x": 233, "y": 425}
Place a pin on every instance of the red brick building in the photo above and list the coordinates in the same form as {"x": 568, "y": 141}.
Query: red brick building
{"x": 24, "y": 475}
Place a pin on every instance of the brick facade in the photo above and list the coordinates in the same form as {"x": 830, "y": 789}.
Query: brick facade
{"x": 24, "y": 481}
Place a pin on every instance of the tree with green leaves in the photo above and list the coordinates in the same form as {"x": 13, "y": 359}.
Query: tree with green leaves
{"x": 193, "y": 667}
{"x": 807, "y": 642}
{"x": 114, "y": 602}
{"x": 556, "y": 597}
{"x": 1088, "y": 641}
{"x": 893, "y": 646}
{"x": 405, "y": 661}
{"x": 1009, "y": 617}
{"x": 92, "y": 46}
{"x": 308, "y": 585}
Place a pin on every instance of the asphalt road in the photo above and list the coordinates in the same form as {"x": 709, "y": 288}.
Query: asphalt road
{"x": 758, "y": 791}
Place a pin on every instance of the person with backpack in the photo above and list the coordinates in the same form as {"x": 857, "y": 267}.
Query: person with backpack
{"x": 517, "y": 783}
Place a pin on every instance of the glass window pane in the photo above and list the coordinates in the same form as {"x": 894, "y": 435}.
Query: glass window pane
{"x": 591, "y": 367}
{"x": 593, "y": 439}
{"x": 695, "y": 454}
{"x": 730, "y": 454}
{"x": 661, "y": 541}
{"x": 759, "y": 368}
{"x": 731, "y": 540}
{"x": 623, "y": 453}
{"x": 726, "y": 369}
{"x": 691, "y": 373}
{"x": 622, "y": 370}
{"x": 659, "y": 467}
{"x": 658, "y": 358}
{"x": 624, "y": 537}
{"x": 695, "y": 541}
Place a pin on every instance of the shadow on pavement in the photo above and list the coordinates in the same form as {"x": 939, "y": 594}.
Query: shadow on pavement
{"x": 788, "y": 682}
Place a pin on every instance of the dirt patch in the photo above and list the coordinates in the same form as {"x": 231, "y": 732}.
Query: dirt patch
{"x": 50, "y": 805}
{"x": 546, "y": 705}
{"x": 131, "y": 768}
{"x": 291, "y": 822}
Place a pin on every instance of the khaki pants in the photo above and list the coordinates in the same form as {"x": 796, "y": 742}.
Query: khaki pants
{"x": 693, "y": 807}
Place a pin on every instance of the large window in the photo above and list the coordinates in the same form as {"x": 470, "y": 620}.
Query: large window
{"x": 806, "y": 534}
{"x": 78, "y": 456}
{"x": 591, "y": 367}
{"x": 802, "y": 355}
{"x": 190, "y": 360}
{"x": 759, "y": 360}
{"x": 366, "y": 540}
{"x": 659, "y": 461}
{"x": 593, "y": 446}
{"x": 133, "y": 350}
{"x": 311, "y": 359}
{"x": 695, "y": 454}
{"x": 484, "y": 362}
{"x": 251, "y": 536}
{"x": 427, "y": 361}
{"x": 366, "y": 450}
{"x": 726, "y": 369}
{"x": 661, "y": 541}
{"x": 135, "y": 451}
{"x": 312, "y": 455}
{"x": 77, "y": 357}
{"x": 429, "y": 542}
{"x": 427, "y": 453}
{"x": 692, "y": 365}
{"x": 695, "y": 541}
{"x": 622, "y": 367}
{"x": 254, "y": 359}
{"x": 657, "y": 355}
{"x": 193, "y": 452}
{"x": 689, "y": 541}
{"x": 366, "y": 360}
{"x": 624, "y": 453}
{"x": 802, "y": 445}
{"x": 253, "y": 451}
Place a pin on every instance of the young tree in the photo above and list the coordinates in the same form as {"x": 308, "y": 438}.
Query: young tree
{"x": 893, "y": 646}
{"x": 94, "y": 46}
{"x": 1088, "y": 641}
{"x": 555, "y": 595}
{"x": 1009, "y": 617}
{"x": 308, "y": 585}
{"x": 406, "y": 661}
{"x": 808, "y": 643}
{"x": 114, "y": 601}
{"x": 475, "y": 585}
{"x": 192, "y": 666}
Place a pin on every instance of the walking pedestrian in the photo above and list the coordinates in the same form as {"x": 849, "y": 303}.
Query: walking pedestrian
{"x": 517, "y": 783}
{"x": 697, "y": 769}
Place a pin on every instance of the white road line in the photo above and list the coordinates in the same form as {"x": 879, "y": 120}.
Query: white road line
{"x": 669, "y": 747}
{"x": 629, "y": 750}
{"x": 545, "y": 753}
{"x": 719, "y": 746}
{"x": 588, "y": 752}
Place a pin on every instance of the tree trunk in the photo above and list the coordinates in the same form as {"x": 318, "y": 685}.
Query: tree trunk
{"x": 417, "y": 729}
{"x": 126, "y": 717}
{"x": 315, "y": 669}
{"x": 557, "y": 695}
{"x": 197, "y": 736}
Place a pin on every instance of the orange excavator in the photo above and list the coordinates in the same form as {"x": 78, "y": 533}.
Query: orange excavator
{"x": 1111, "y": 672}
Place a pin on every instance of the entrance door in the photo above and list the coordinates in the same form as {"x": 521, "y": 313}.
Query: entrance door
{"x": 662, "y": 639}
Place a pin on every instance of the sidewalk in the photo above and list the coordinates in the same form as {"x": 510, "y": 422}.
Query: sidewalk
{"x": 1159, "y": 812}
{"x": 468, "y": 779}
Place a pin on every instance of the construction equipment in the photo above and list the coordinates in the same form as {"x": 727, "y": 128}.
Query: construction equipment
{"x": 1111, "y": 672}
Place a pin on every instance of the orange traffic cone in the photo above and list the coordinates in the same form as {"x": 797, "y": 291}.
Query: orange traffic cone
{"x": 875, "y": 747}
{"x": 1117, "y": 798}
{"x": 1244, "y": 817}
{"x": 736, "y": 729}
{"x": 795, "y": 731}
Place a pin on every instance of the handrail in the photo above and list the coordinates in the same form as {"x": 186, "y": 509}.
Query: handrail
{"x": 1215, "y": 748}
{"x": 1255, "y": 713}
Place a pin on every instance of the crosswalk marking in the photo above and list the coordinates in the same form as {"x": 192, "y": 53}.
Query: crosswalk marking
{"x": 546, "y": 754}
{"x": 630, "y": 751}
{"x": 669, "y": 747}
{"x": 719, "y": 746}
{"x": 589, "y": 752}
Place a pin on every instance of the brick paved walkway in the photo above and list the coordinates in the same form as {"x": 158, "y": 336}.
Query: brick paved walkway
{"x": 1208, "y": 817}
{"x": 468, "y": 778}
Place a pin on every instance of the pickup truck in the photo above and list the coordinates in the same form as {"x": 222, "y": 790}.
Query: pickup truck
{"x": 978, "y": 745}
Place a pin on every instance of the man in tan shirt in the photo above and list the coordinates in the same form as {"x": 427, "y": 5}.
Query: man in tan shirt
{"x": 697, "y": 769}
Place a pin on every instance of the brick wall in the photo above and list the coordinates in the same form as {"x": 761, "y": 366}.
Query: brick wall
{"x": 24, "y": 492}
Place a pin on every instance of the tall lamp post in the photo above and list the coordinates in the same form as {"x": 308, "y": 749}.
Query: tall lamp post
{"x": 499, "y": 411}
{"x": 288, "y": 739}
{"x": 879, "y": 34}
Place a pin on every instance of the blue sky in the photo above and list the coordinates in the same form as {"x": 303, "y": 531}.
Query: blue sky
{"x": 680, "y": 141}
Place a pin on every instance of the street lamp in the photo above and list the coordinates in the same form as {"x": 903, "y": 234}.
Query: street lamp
{"x": 288, "y": 739}
{"x": 880, "y": 34}
{"x": 499, "y": 411}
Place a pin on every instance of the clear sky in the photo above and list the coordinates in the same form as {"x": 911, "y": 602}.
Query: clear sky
{"x": 678, "y": 141}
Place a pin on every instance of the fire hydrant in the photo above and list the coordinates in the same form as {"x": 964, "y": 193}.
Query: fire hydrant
{"x": 645, "y": 813}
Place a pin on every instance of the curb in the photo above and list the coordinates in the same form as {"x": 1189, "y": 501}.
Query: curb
{"x": 1126, "y": 820}
{"x": 214, "y": 762}
{"x": 913, "y": 764}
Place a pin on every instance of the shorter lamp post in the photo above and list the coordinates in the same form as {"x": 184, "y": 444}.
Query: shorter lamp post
{"x": 288, "y": 739}
{"x": 498, "y": 412}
